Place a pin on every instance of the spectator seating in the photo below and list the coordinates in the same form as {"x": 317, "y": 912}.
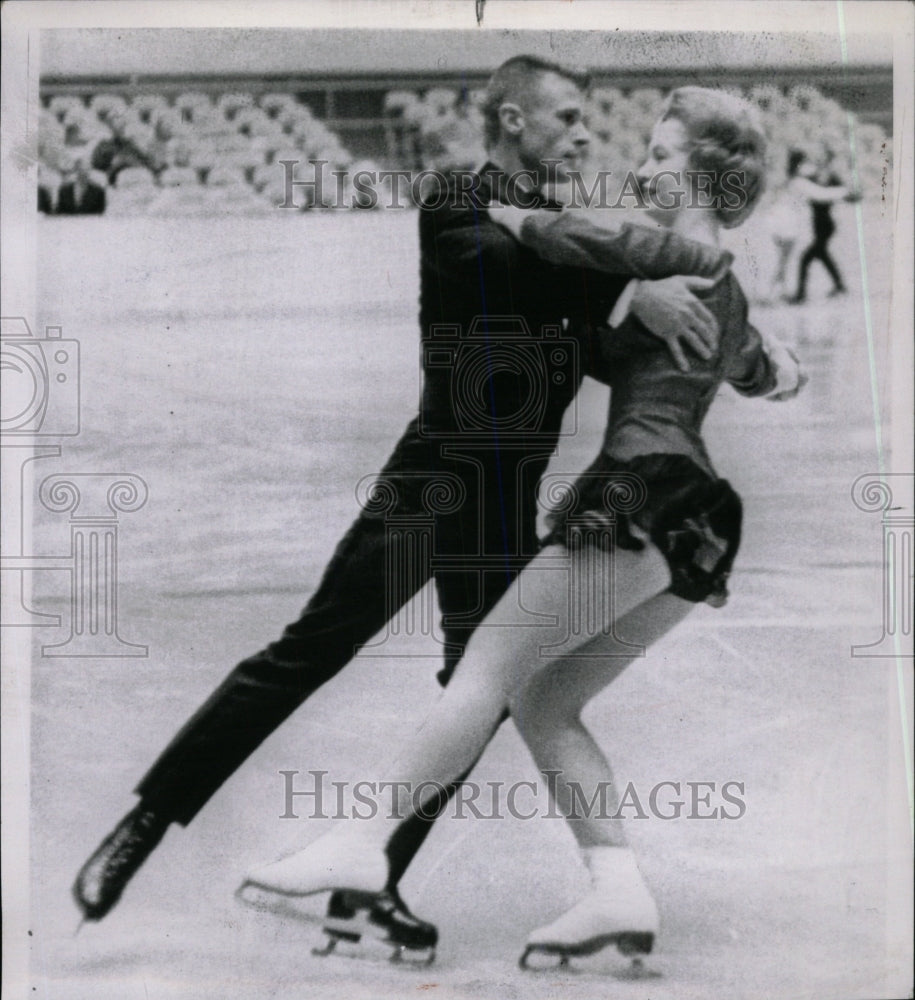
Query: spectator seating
{"x": 181, "y": 193}
{"x": 274, "y": 104}
{"x": 232, "y": 102}
{"x": 61, "y": 103}
{"x": 143, "y": 105}
{"x": 231, "y": 143}
{"x": 103, "y": 104}
{"x": 135, "y": 192}
{"x": 227, "y": 190}
{"x": 192, "y": 104}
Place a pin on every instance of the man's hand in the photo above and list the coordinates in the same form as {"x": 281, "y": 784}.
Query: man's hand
{"x": 672, "y": 313}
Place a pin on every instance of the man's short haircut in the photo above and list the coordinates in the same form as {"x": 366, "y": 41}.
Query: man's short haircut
{"x": 513, "y": 80}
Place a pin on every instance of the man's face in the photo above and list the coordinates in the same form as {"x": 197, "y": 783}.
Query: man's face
{"x": 553, "y": 126}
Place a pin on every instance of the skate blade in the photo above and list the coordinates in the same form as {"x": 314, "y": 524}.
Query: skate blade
{"x": 361, "y": 927}
{"x": 420, "y": 958}
{"x": 334, "y": 938}
{"x": 550, "y": 955}
{"x": 365, "y": 947}
{"x": 542, "y": 963}
{"x": 537, "y": 960}
{"x": 636, "y": 971}
{"x": 374, "y": 940}
{"x": 360, "y": 938}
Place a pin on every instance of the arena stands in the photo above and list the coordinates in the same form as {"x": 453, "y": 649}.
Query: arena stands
{"x": 202, "y": 151}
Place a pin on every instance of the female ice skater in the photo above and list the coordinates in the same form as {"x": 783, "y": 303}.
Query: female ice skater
{"x": 786, "y": 217}
{"x": 690, "y": 517}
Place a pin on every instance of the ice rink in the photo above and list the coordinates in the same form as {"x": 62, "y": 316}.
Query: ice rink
{"x": 251, "y": 371}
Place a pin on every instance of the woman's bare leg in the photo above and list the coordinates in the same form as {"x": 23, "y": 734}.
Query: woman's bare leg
{"x": 498, "y": 661}
{"x": 502, "y": 656}
{"x": 619, "y": 908}
{"x": 547, "y": 713}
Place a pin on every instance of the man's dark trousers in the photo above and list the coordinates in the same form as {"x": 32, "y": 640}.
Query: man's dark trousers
{"x": 469, "y": 268}
{"x": 352, "y": 603}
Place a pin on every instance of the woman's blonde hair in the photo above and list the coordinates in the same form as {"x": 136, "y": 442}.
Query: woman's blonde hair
{"x": 728, "y": 144}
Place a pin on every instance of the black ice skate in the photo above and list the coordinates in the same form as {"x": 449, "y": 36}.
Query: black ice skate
{"x": 386, "y": 918}
{"x": 105, "y": 875}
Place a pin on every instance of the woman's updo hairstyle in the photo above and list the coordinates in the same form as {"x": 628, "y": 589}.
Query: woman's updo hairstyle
{"x": 728, "y": 143}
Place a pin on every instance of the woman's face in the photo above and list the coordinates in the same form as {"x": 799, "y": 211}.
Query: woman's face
{"x": 663, "y": 176}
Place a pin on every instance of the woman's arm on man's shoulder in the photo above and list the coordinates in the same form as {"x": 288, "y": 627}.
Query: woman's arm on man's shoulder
{"x": 571, "y": 239}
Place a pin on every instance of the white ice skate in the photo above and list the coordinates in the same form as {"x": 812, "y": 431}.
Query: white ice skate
{"x": 618, "y": 910}
{"x": 333, "y": 862}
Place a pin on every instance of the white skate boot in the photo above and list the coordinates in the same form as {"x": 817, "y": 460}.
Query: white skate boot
{"x": 618, "y": 910}
{"x": 336, "y": 861}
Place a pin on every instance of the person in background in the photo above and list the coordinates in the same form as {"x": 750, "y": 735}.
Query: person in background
{"x": 785, "y": 223}
{"x": 48, "y": 182}
{"x": 822, "y": 188}
{"x": 81, "y": 195}
{"x": 114, "y": 154}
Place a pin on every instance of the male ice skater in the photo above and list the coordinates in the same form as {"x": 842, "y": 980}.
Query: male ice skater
{"x": 485, "y": 431}
{"x": 822, "y": 188}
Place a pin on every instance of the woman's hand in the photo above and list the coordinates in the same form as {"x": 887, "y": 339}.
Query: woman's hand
{"x": 790, "y": 377}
